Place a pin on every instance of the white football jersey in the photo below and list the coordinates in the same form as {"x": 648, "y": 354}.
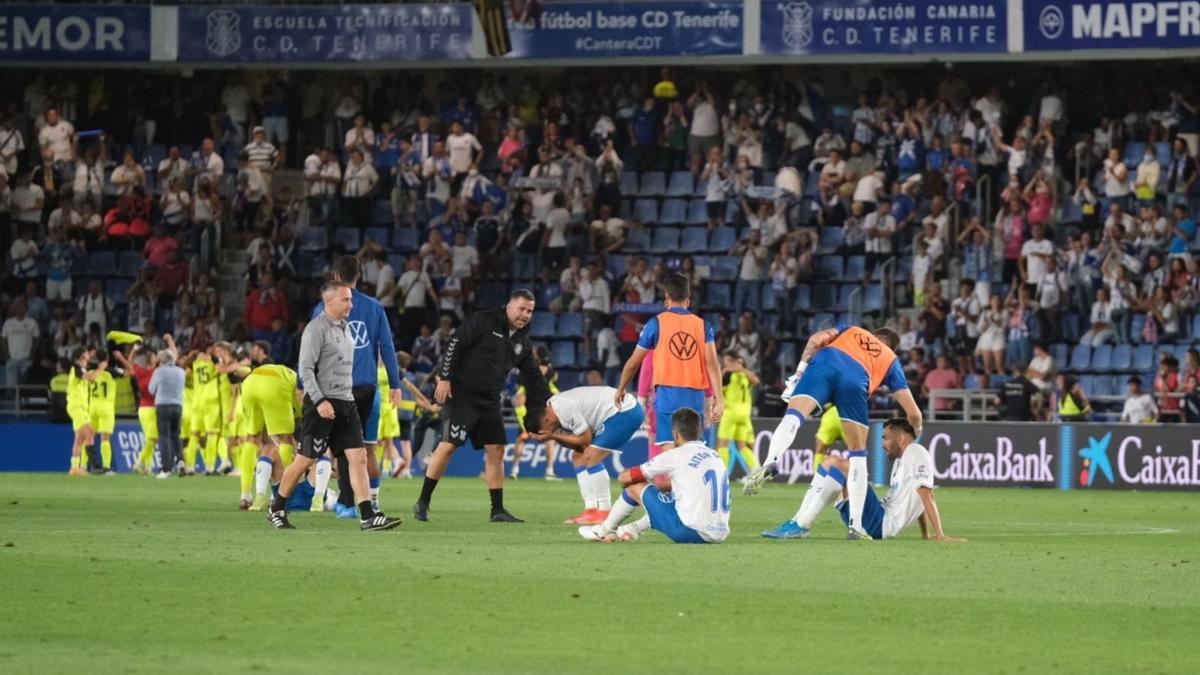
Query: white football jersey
{"x": 584, "y": 408}
{"x": 700, "y": 487}
{"x": 903, "y": 503}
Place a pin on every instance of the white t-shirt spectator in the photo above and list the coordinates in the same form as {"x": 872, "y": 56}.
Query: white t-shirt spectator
{"x": 1035, "y": 266}
{"x": 464, "y": 260}
{"x": 89, "y": 180}
{"x": 176, "y": 168}
{"x": 125, "y": 178}
{"x": 834, "y": 172}
{"x": 58, "y": 139}
{"x": 752, "y": 269}
{"x": 1051, "y": 109}
{"x": 26, "y": 203}
{"x": 237, "y": 103}
{"x": 60, "y": 218}
{"x": 595, "y": 295}
{"x": 1051, "y": 288}
{"x": 214, "y": 168}
{"x": 175, "y": 206}
{"x": 415, "y": 286}
{"x": 1139, "y": 409}
{"x": 360, "y": 179}
{"x": 887, "y": 225}
{"x": 921, "y": 265}
{"x": 460, "y": 149}
{"x": 868, "y": 187}
{"x": 705, "y": 121}
{"x": 95, "y": 310}
{"x": 20, "y": 334}
{"x": 313, "y": 168}
{"x": 24, "y": 257}
{"x": 1116, "y": 179}
{"x": 606, "y": 348}
{"x": 385, "y": 284}
{"x": 366, "y": 144}
{"x": 556, "y": 223}
{"x": 12, "y": 142}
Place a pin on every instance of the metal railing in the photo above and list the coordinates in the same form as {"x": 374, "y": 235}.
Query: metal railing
{"x": 24, "y": 400}
{"x": 983, "y": 196}
{"x": 854, "y": 305}
{"x": 975, "y": 404}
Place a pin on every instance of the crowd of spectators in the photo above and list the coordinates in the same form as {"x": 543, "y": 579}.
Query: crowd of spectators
{"x": 999, "y": 221}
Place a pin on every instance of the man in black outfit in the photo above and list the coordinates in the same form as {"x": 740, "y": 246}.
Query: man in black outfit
{"x": 1018, "y": 396}
{"x": 481, "y": 353}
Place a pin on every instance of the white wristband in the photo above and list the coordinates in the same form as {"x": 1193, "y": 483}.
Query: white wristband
{"x": 800, "y": 367}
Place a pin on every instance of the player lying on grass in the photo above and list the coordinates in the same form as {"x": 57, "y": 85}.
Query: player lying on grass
{"x": 588, "y": 421}
{"x": 692, "y": 507}
{"x": 909, "y": 497}
{"x": 848, "y": 364}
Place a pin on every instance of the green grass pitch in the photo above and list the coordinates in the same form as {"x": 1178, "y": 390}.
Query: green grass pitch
{"x": 124, "y": 575}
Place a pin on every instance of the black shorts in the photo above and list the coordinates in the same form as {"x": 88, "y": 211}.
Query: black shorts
{"x": 475, "y": 417}
{"x": 342, "y": 433}
{"x": 406, "y": 429}
{"x": 365, "y": 400}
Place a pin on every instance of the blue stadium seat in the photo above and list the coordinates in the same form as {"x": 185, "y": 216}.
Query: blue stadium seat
{"x": 129, "y": 263}
{"x": 382, "y": 213}
{"x": 637, "y": 239}
{"x": 629, "y": 183}
{"x": 646, "y": 211}
{"x": 1081, "y": 358}
{"x": 830, "y": 266}
{"x": 1162, "y": 150}
{"x": 724, "y": 268}
{"x": 786, "y": 360}
{"x": 102, "y": 263}
{"x": 1135, "y": 327}
{"x": 856, "y": 268}
{"x": 654, "y": 184}
{"x": 626, "y": 209}
{"x": 547, "y": 293}
{"x": 681, "y": 184}
{"x": 1102, "y": 385}
{"x": 666, "y": 240}
{"x": 844, "y": 295}
{"x": 1134, "y": 150}
{"x": 379, "y": 235}
{"x": 1088, "y": 382}
{"x": 722, "y": 240}
{"x": 697, "y": 213}
{"x": 1196, "y": 325}
{"x": 615, "y": 265}
{"x": 810, "y": 185}
{"x": 306, "y": 263}
{"x": 972, "y": 381}
{"x": 116, "y": 289}
{"x": 822, "y": 321}
{"x": 831, "y": 239}
{"x": 701, "y": 188}
{"x": 873, "y": 299}
{"x": 1180, "y": 351}
{"x": 542, "y": 325}
{"x": 562, "y": 353}
{"x": 1070, "y": 326}
{"x": 1102, "y": 358}
{"x": 803, "y": 298}
{"x": 718, "y": 295}
{"x": 824, "y": 297}
{"x": 405, "y": 240}
{"x": 1143, "y": 359}
{"x": 398, "y": 262}
{"x": 1071, "y": 213}
{"x": 695, "y": 240}
{"x": 315, "y": 239}
{"x": 674, "y": 212}
{"x": 1059, "y": 351}
{"x": 1122, "y": 358}
{"x": 570, "y": 325}
{"x": 569, "y": 379}
{"x": 349, "y": 238}
{"x": 768, "y": 297}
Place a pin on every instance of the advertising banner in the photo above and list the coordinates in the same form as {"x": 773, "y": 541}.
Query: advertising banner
{"x": 818, "y": 27}
{"x": 1163, "y": 457}
{"x": 1064, "y": 25}
{"x": 325, "y": 33}
{"x": 608, "y": 29}
{"x": 74, "y": 33}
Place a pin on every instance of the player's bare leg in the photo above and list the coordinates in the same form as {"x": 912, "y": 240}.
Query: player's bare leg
{"x": 78, "y": 455}
{"x": 518, "y": 451}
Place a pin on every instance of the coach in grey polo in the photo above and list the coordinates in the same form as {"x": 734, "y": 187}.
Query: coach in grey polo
{"x": 167, "y": 387}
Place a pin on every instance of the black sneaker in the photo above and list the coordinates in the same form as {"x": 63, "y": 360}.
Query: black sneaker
{"x": 503, "y": 516}
{"x": 226, "y": 469}
{"x": 378, "y": 522}
{"x": 421, "y": 511}
{"x": 279, "y": 520}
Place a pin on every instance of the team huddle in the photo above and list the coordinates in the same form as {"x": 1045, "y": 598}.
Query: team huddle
{"x": 351, "y": 398}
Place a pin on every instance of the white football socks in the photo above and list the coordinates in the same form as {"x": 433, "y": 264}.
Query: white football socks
{"x": 324, "y": 471}
{"x": 856, "y": 486}
{"x": 825, "y": 489}
{"x": 784, "y": 434}
{"x": 619, "y": 512}
{"x": 262, "y": 475}
{"x": 585, "y": 487}
{"x": 641, "y": 524}
{"x": 600, "y": 487}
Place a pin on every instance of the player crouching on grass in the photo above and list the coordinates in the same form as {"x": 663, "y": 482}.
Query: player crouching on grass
{"x": 909, "y": 497}
{"x": 588, "y": 421}
{"x": 691, "y": 507}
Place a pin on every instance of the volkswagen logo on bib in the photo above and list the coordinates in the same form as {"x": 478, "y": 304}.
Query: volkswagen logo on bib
{"x": 358, "y": 332}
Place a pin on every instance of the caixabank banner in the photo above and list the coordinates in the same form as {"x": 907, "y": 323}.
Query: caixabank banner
{"x": 1165, "y": 457}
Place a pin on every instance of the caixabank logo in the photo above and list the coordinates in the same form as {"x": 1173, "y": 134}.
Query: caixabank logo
{"x": 1166, "y": 458}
